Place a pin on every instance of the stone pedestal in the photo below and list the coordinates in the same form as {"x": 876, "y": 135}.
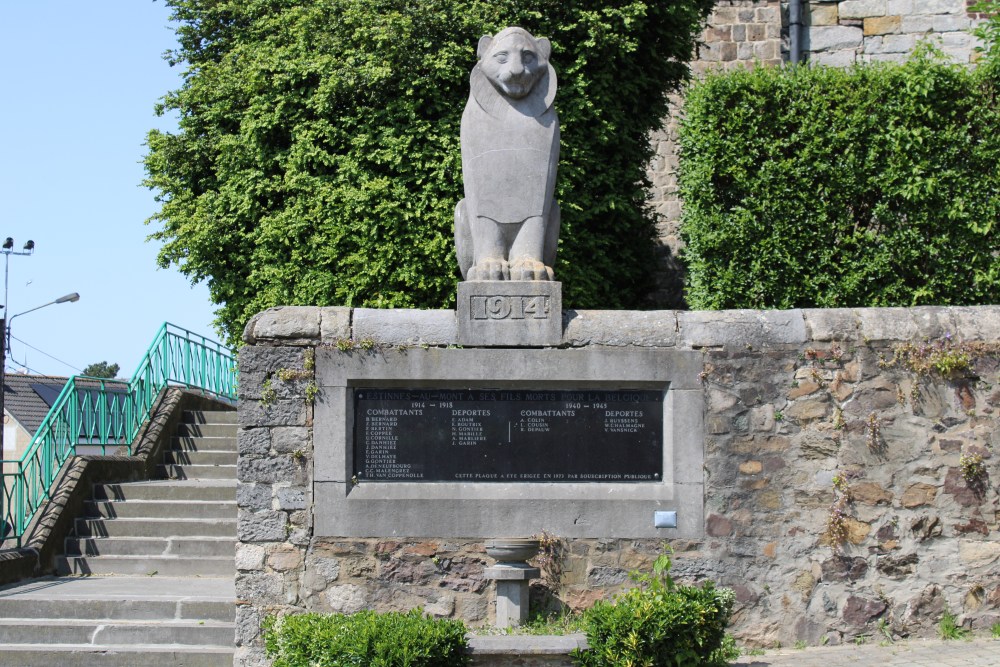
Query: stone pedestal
{"x": 512, "y": 591}
{"x": 510, "y": 313}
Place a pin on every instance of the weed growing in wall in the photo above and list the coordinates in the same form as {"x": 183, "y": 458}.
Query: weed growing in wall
{"x": 974, "y": 472}
{"x": 836, "y": 522}
{"x": 948, "y": 627}
{"x": 873, "y": 435}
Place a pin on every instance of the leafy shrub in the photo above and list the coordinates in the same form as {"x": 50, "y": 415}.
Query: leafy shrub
{"x": 660, "y": 623}
{"x": 318, "y": 158}
{"x": 988, "y": 31}
{"x": 365, "y": 639}
{"x": 814, "y": 186}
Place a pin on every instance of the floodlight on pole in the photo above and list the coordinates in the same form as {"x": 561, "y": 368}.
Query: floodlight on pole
{"x": 8, "y": 249}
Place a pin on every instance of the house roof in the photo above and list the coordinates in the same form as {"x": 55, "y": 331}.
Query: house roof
{"x": 27, "y": 398}
{"x": 24, "y": 402}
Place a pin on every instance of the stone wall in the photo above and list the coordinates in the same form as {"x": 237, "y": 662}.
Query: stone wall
{"x": 808, "y": 426}
{"x": 839, "y": 33}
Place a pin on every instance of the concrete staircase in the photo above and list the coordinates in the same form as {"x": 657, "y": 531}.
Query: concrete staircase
{"x": 161, "y": 554}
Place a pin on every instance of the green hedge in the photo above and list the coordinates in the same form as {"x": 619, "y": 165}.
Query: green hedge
{"x": 365, "y": 639}
{"x": 813, "y": 186}
{"x": 318, "y": 163}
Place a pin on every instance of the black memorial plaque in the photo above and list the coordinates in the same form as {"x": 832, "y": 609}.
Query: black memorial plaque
{"x": 504, "y": 435}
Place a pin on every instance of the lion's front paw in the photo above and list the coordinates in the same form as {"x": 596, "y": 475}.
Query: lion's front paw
{"x": 490, "y": 269}
{"x": 529, "y": 269}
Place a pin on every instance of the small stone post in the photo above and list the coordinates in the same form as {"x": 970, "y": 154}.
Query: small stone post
{"x": 512, "y": 575}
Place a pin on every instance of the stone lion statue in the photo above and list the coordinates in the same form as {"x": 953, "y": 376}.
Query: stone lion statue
{"x": 507, "y": 227}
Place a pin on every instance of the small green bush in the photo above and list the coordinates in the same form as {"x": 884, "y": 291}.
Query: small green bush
{"x": 660, "y": 623}
{"x": 365, "y": 639}
{"x": 821, "y": 187}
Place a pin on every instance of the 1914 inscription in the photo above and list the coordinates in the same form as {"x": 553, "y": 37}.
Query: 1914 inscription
{"x": 510, "y": 307}
{"x": 504, "y": 435}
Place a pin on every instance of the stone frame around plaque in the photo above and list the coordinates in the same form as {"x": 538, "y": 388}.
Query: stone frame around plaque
{"x": 344, "y": 508}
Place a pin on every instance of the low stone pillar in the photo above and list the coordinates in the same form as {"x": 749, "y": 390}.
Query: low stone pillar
{"x": 512, "y": 574}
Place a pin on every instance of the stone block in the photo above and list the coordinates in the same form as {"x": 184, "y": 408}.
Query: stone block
{"x": 831, "y": 324}
{"x": 284, "y": 323}
{"x": 833, "y": 38}
{"x": 900, "y": 7}
{"x": 834, "y": 58}
{"x": 820, "y": 15}
{"x": 270, "y": 470}
{"x": 918, "y": 495}
{"x": 859, "y": 9}
{"x": 265, "y": 360}
{"x": 740, "y": 328}
{"x": 922, "y": 24}
{"x": 289, "y": 498}
{"x": 397, "y": 326}
{"x": 510, "y": 313}
{"x": 346, "y": 598}
{"x": 334, "y": 324}
{"x": 249, "y": 556}
{"x": 886, "y": 324}
{"x": 253, "y": 441}
{"x": 882, "y": 25}
{"x": 291, "y": 439}
{"x": 897, "y": 43}
{"x": 267, "y": 526}
{"x": 650, "y": 328}
{"x": 253, "y": 497}
{"x": 264, "y": 589}
{"x": 278, "y": 413}
{"x": 768, "y": 15}
{"x": 975, "y": 553}
{"x": 939, "y": 6}
{"x": 976, "y": 322}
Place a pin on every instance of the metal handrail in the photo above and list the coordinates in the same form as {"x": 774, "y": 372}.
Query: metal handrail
{"x": 94, "y": 412}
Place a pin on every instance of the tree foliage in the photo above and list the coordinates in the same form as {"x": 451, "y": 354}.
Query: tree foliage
{"x": 813, "y": 186}
{"x": 102, "y": 369}
{"x": 318, "y": 159}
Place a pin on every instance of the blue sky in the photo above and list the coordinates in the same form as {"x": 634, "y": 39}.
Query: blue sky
{"x": 80, "y": 80}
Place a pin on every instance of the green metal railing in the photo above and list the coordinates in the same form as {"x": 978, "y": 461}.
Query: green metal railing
{"x": 101, "y": 414}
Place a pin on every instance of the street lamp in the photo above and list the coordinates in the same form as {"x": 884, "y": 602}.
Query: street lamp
{"x": 5, "y": 342}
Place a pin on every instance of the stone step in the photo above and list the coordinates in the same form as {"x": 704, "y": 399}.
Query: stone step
{"x": 210, "y": 417}
{"x": 172, "y": 471}
{"x": 169, "y": 566}
{"x": 148, "y": 546}
{"x": 122, "y": 598}
{"x": 103, "y": 631}
{"x": 161, "y": 489}
{"x": 214, "y": 444}
{"x": 161, "y": 509}
{"x": 206, "y": 430}
{"x": 201, "y": 457}
{"x": 86, "y": 655}
{"x": 156, "y": 527}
